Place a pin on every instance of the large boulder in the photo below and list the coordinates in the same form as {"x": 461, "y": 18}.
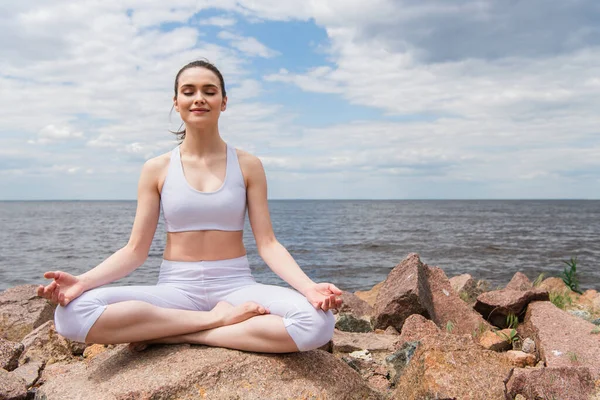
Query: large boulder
{"x": 447, "y": 366}
{"x": 353, "y": 304}
{"x": 9, "y": 354}
{"x": 416, "y": 327}
{"x": 197, "y": 372}
{"x": 562, "y": 339}
{"x": 11, "y": 386}
{"x": 496, "y": 305}
{"x": 46, "y": 345}
{"x": 445, "y": 307}
{"x": 519, "y": 281}
{"x": 21, "y": 311}
{"x": 573, "y": 383}
{"x": 399, "y": 296}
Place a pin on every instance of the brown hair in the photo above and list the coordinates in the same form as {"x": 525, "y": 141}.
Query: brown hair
{"x": 197, "y": 64}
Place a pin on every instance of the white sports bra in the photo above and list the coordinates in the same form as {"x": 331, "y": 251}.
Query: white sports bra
{"x": 187, "y": 209}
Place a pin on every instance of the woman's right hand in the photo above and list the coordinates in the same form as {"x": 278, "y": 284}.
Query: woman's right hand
{"x": 63, "y": 289}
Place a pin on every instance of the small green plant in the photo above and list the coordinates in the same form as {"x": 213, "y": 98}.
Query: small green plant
{"x": 464, "y": 296}
{"x": 569, "y": 275}
{"x": 596, "y": 330}
{"x": 512, "y": 321}
{"x": 572, "y": 356}
{"x": 449, "y": 326}
{"x": 560, "y": 300}
{"x": 538, "y": 280}
{"x": 511, "y": 338}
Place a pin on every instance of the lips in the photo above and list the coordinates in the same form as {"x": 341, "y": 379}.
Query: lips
{"x": 199, "y": 110}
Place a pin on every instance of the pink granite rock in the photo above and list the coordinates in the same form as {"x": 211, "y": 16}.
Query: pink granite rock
{"x": 447, "y": 366}
{"x": 495, "y": 341}
{"x": 463, "y": 283}
{"x": 11, "y": 386}
{"x": 573, "y": 383}
{"x": 198, "y": 372}
{"x": 29, "y": 372}
{"x": 353, "y": 304}
{"x": 562, "y": 339}
{"x": 520, "y": 358}
{"x": 496, "y": 305}
{"x": 399, "y": 295}
{"x": 446, "y": 309}
{"x": 21, "y": 311}
{"x": 46, "y": 345}
{"x": 9, "y": 354}
{"x": 370, "y": 296}
{"x": 519, "y": 281}
{"x": 416, "y": 327}
{"x": 347, "y": 342}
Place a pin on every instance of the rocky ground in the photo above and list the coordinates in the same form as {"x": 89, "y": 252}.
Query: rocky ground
{"x": 417, "y": 335}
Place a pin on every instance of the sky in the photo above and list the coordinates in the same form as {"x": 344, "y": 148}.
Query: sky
{"x": 340, "y": 99}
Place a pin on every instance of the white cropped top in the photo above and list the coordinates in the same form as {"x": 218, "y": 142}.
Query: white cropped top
{"x": 187, "y": 209}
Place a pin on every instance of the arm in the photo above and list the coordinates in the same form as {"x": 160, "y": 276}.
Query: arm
{"x": 134, "y": 253}
{"x": 66, "y": 287}
{"x": 271, "y": 251}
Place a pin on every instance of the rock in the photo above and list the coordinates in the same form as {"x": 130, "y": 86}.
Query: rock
{"x": 398, "y": 297}
{"x": 446, "y": 309}
{"x": 596, "y": 322}
{"x": 77, "y": 348}
{"x": 196, "y": 372}
{"x": 528, "y": 346}
{"x": 464, "y": 284}
{"x": 573, "y": 383}
{"x": 580, "y": 314}
{"x": 370, "y": 371}
{"x": 21, "y": 311}
{"x": 352, "y": 304}
{"x": 590, "y": 299}
{"x": 520, "y": 358}
{"x": 9, "y": 354}
{"x": 370, "y": 296}
{"x": 447, "y": 366}
{"x": 390, "y": 330}
{"x": 555, "y": 285}
{"x": 362, "y": 354}
{"x": 347, "y": 342}
{"x": 495, "y": 341}
{"x": 562, "y": 340}
{"x": 45, "y": 344}
{"x": 416, "y": 327}
{"x": 519, "y": 281}
{"x": 350, "y": 323}
{"x": 93, "y": 350}
{"x": 398, "y": 361}
{"x": 12, "y": 387}
{"x": 29, "y": 372}
{"x": 496, "y": 305}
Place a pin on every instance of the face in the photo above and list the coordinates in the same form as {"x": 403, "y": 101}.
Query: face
{"x": 199, "y": 98}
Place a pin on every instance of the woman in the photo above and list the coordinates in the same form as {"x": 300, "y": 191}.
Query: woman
{"x": 205, "y": 293}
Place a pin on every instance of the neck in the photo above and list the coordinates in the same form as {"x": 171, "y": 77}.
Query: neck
{"x": 202, "y": 141}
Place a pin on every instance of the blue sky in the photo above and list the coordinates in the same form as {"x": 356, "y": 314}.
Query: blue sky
{"x": 339, "y": 99}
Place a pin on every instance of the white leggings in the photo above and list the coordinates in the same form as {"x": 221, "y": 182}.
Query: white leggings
{"x": 199, "y": 286}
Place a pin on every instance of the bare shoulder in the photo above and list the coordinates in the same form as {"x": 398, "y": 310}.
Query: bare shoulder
{"x": 250, "y": 164}
{"x": 155, "y": 169}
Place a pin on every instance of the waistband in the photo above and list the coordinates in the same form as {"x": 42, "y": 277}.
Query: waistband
{"x": 213, "y": 270}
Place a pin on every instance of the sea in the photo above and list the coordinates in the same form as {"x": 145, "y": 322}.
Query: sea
{"x": 351, "y": 243}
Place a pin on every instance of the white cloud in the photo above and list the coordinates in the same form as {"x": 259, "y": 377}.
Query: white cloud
{"x": 248, "y": 45}
{"x": 219, "y": 21}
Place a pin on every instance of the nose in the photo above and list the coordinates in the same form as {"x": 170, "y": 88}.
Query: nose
{"x": 199, "y": 98}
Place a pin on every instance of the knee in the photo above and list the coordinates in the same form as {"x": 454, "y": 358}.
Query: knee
{"x": 312, "y": 329}
{"x": 74, "y": 320}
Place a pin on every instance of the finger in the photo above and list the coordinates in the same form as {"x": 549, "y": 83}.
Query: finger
{"x": 49, "y": 289}
{"x": 49, "y": 274}
{"x": 334, "y": 289}
{"x": 61, "y": 299}
{"x": 40, "y": 291}
{"x": 326, "y": 304}
{"x": 55, "y": 294}
{"x": 317, "y": 304}
{"x": 338, "y": 303}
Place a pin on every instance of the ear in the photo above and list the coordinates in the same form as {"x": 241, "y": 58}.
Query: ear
{"x": 224, "y": 104}
{"x": 175, "y": 105}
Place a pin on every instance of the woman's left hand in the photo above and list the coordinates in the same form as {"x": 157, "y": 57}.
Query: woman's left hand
{"x": 324, "y": 296}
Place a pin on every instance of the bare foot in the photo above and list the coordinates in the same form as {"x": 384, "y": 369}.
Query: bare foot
{"x": 138, "y": 346}
{"x": 230, "y": 314}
